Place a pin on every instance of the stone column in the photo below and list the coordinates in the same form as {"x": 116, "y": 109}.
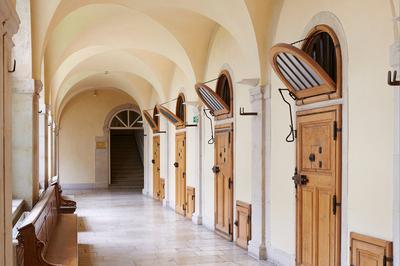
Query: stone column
{"x": 197, "y": 217}
{"x": 257, "y": 244}
{"x": 47, "y": 138}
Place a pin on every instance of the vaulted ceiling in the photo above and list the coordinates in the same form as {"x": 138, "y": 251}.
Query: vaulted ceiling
{"x": 135, "y": 45}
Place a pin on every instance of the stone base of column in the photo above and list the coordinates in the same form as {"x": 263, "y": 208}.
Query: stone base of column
{"x": 144, "y": 192}
{"x": 197, "y": 219}
{"x": 257, "y": 250}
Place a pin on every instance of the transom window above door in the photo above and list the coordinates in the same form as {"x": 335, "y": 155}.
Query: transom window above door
{"x": 127, "y": 119}
{"x": 315, "y": 69}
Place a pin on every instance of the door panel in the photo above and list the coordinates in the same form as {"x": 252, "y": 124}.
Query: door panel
{"x": 156, "y": 168}
{"x": 180, "y": 172}
{"x": 224, "y": 180}
{"x": 318, "y": 162}
{"x": 370, "y": 251}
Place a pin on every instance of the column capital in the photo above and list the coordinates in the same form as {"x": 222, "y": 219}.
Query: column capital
{"x": 38, "y": 87}
{"x": 259, "y": 93}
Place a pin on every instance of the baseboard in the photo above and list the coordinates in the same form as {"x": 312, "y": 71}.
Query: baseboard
{"x": 197, "y": 219}
{"x": 257, "y": 251}
{"x": 78, "y": 186}
{"x": 279, "y": 257}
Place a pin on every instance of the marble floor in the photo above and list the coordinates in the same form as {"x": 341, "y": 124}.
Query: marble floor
{"x": 118, "y": 227}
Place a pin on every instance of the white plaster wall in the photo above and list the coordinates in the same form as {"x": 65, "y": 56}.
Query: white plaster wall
{"x": 370, "y": 117}
{"x": 82, "y": 120}
{"x": 225, "y": 54}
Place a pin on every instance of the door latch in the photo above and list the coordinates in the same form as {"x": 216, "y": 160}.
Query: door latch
{"x": 335, "y": 204}
{"x": 299, "y": 180}
{"x": 176, "y": 164}
{"x": 230, "y": 183}
{"x": 215, "y": 169}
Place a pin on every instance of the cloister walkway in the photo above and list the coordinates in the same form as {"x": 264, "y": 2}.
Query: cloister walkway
{"x": 121, "y": 227}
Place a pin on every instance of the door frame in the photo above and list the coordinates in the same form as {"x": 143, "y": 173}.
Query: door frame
{"x": 221, "y": 128}
{"x": 176, "y": 179}
{"x": 339, "y": 177}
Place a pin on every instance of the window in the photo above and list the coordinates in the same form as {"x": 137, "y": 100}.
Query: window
{"x": 181, "y": 108}
{"x": 126, "y": 119}
{"x": 312, "y": 73}
{"x": 225, "y": 91}
{"x": 150, "y": 120}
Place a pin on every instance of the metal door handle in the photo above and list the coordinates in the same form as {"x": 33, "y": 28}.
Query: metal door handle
{"x": 311, "y": 157}
{"x": 153, "y": 161}
{"x": 176, "y": 164}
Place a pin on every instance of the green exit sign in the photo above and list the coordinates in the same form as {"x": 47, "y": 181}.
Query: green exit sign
{"x": 195, "y": 119}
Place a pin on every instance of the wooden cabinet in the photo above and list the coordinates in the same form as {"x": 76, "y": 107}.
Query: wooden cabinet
{"x": 370, "y": 251}
{"x": 190, "y": 200}
{"x": 243, "y": 223}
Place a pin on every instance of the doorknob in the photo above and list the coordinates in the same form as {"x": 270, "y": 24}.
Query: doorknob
{"x": 176, "y": 164}
{"x": 215, "y": 169}
{"x": 153, "y": 161}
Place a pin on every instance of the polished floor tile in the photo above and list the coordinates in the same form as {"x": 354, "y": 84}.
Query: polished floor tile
{"x": 121, "y": 227}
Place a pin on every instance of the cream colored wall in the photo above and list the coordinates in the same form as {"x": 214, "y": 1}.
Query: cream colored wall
{"x": 370, "y": 116}
{"x": 82, "y": 120}
{"x": 226, "y": 54}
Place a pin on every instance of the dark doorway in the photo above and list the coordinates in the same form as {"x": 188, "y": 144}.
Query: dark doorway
{"x": 126, "y": 161}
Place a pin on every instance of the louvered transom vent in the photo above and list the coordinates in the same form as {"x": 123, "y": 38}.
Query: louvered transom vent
{"x": 213, "y": 101}
{"x": 171, "y": 117}
{"x": 150, "y": 121}
{"x": 301, "y": 74}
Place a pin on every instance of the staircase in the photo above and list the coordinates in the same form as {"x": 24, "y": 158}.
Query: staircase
{"x": 126, "y": 164}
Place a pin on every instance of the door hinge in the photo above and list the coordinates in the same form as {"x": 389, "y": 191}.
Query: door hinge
{"x": 248, "y": 219}
{"x": 386, "y": 260}
{"x": 335, "y": 204}
{"x": 336, "y": 130}
{"x": 230, "y": 229}
{"x": 229, "y": 138}
{"x": 230, "y": 183}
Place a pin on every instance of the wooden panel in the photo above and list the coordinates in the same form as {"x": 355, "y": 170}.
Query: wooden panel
{"x": 318, "y": 158}
{"x": 299, "y": 72}
{"x": 162, "y": 183}
{"x": 190, "y": 199}
{"x": 149, "y": 119}
{"x": 370, "y": 251}
{"x": 170, "y": 116}
{"x": 243, "y": 224}
{"x": 180, "y": 173}
{"x": 211, "y": 99}
{"x": 156, "y": 168}
{"x": 223, "y": 154}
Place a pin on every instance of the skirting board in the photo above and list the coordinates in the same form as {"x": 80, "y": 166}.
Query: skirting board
{"x": 279, "y": 257}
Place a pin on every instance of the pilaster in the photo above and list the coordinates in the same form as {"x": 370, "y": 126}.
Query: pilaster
{"x": 257, "y": 244}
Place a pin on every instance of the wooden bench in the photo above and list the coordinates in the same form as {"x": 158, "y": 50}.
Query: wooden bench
{"x": 48, "y": 235}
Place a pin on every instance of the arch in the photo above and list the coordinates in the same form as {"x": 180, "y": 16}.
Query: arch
{"x": 224, "y": 89}
{"x": 115, "y": 111}
{"x": 181, "y": 109}
{"x": 323, "y": 46}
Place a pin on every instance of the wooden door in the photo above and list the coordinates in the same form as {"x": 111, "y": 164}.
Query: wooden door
{"x": 180, "y": 173}
{"x": 318, "y": 182}
{"x": 370, "y": 251}
{"x": 156, "y": 168}
{"x": 223, "y": 169}
{"x": 190, "y": 200}
{"x": 243, "y": 224}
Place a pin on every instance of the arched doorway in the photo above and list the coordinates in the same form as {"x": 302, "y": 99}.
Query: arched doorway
{"x": 126, "y": 150}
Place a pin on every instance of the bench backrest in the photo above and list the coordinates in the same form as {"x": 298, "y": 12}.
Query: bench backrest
{"x": 35, "y": 232}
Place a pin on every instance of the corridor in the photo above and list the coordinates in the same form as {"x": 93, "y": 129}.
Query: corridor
{"x": 120, "y": 227}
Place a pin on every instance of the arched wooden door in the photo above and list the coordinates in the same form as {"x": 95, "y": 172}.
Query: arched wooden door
{"x": 156, "y": 168}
